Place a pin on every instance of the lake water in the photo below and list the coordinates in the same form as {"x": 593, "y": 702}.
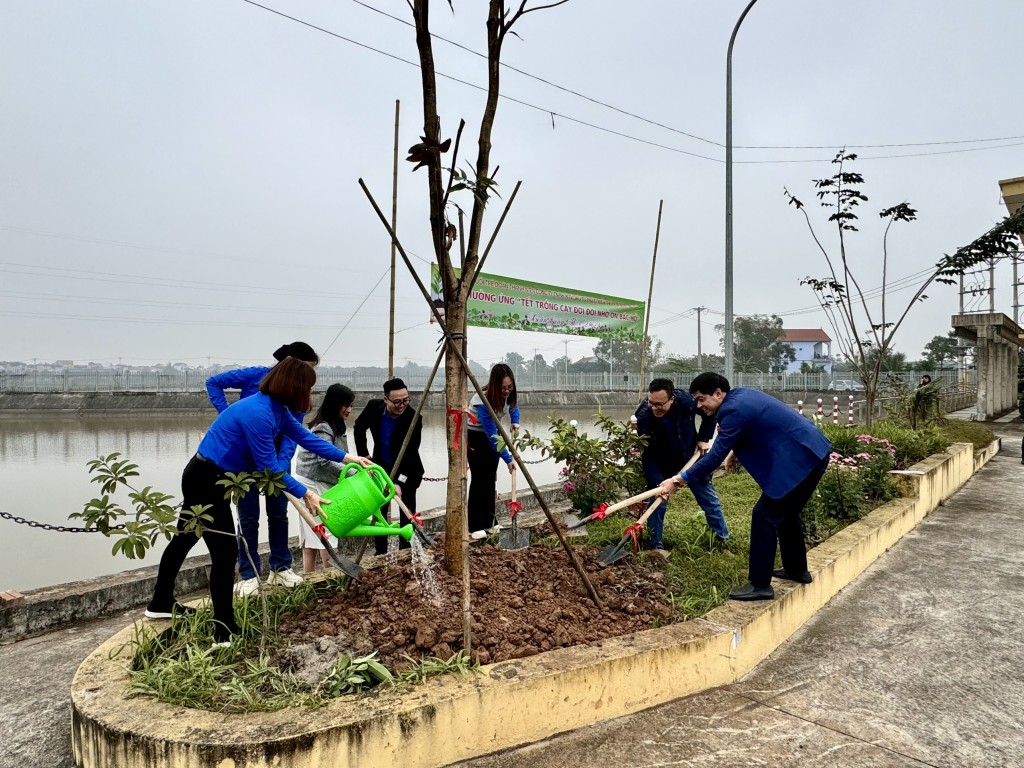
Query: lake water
{"x": 43, "y": 477}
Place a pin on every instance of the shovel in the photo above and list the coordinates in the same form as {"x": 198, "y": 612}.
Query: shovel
{"x": 512, "y": 537}
{"x": 615, "y": 552}
{"x": 417, "y": 524}
{"x": 341, "y": 562}
{"x": 602, "y": 511}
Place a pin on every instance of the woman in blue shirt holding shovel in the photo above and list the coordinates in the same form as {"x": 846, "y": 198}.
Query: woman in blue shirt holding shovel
{"x": 242, "y": 439}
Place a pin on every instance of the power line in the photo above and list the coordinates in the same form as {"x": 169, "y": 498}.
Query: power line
{"x": 694, "y": 136}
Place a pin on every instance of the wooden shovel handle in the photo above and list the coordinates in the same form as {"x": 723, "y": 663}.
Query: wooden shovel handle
{"x": 303, "y": 512}
{"x": 652, "y": 492}
{"x": 654, "y": 505}
{"x": 514, "y": 484}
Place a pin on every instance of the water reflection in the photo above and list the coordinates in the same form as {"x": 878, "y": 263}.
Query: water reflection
{"x": 43, "y": 477}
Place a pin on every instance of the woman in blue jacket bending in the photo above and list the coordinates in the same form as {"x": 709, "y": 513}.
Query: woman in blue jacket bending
{"x": 482, "y": 438}
{"x": 248, "y": 381}
{"x": 242, "y": 439}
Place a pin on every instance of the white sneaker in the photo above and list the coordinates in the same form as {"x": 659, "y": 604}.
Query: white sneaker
{"x": 478, "y": 535}
{"x": 247, "y": 587}
{"x": 495, "y": 530}
{"x": 286, "y": 578}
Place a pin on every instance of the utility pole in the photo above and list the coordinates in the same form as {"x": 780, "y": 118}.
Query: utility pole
{"x": 566, "y": 342}
{"x": 533, "y": 368}
{"x": 700, "y": 357}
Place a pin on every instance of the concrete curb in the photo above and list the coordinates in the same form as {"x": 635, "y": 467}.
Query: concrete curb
{"x": 47, "y": 608}
{"x": 508, "y": 704}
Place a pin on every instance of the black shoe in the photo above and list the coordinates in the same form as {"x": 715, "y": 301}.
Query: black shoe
{"x": 222, "y": 633}
{"x": 782, "y": 573}
{"x": 154, "y": 611}
{"x": 749, "y": 592}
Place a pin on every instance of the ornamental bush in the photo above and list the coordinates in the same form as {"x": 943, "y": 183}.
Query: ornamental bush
{"x": 597, "y": 469}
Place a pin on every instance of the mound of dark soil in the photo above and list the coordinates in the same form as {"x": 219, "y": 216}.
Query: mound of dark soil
{"x": 523, "y": 602}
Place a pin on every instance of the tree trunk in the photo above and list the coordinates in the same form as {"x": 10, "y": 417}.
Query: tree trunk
{"x": 457, "y": 400}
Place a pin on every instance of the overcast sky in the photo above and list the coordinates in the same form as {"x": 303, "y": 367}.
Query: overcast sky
{"x": 178, "y": 179}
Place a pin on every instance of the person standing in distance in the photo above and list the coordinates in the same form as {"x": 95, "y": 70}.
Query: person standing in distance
{"x": 667, "y": 417}
{"x": 785, "y": 454}
{"x": 248, "y": 381}
{"x": 389, "y": 421}
{"x": 482, "y": 443}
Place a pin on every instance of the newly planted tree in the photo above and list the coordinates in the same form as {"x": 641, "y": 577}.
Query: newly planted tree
{"x": 865, "y": 329}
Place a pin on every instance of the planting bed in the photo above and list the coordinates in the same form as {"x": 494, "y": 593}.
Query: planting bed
{"x": 523, "y": 602}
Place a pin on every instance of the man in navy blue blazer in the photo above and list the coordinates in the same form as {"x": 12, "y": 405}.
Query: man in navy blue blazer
{"x": 785, "y": 454}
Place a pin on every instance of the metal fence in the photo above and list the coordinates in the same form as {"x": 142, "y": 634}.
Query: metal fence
{"x": 75, "y": 380}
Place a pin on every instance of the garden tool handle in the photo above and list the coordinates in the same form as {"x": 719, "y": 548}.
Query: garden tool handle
{"x": 632, "y": 500}
{"x": 514, "y": 485}
{"x": 654, "y": 505}
{"x": 303, "y": 512}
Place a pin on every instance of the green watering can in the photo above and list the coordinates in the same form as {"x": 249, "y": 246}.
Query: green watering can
{"x": 356, "y": 500}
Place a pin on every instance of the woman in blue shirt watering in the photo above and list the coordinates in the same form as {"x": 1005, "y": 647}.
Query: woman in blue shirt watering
{"x": 248, "y": 381}
{"x": 483, "y": 446}
{"x": 241, "y": 439}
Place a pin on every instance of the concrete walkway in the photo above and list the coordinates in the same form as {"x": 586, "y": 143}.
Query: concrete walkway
{"x": 919, "y": 662}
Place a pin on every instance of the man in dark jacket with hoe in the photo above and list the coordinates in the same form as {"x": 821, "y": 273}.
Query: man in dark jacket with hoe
{"x": 388, "y": 421}
{"x": 785, "y": 454}
{"x": 666, "y": 417}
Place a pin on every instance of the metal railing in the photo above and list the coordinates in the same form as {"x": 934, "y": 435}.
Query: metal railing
{"x": 76, "y": 380}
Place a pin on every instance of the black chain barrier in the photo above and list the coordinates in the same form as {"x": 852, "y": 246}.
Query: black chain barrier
{"x": 60, "y": 528}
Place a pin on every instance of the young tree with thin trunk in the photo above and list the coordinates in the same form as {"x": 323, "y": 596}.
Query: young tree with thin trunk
{"x": 501, "y": 18}
{"x": 865, "y": 331}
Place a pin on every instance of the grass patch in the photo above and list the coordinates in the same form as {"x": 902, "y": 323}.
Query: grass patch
{"x": 957, "y": 431}
{"x": 179, "y": 666}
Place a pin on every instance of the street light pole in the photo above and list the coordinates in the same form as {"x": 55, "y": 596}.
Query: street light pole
{"x": 728, "y": 195}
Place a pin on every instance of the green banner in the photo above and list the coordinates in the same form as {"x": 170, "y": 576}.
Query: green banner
{"x": 504, "y": 302}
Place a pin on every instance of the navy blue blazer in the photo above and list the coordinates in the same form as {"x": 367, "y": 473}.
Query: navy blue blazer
{"x": 776, "y": 445}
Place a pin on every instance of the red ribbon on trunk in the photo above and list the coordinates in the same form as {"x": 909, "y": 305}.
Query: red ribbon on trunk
{"x": 456, "y": 415}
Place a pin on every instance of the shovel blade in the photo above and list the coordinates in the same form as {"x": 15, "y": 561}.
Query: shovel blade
{"x": 343, "y": 564}
{"x": 574, "y": 526}
{"x": 427, "y": 539}
{"x": 614, "y": 552}
{"x": 513, "y": 538}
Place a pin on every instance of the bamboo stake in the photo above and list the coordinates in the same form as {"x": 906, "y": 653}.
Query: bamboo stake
{"x": 454, "y": 348}
{"x": 650, "y": 294}
{"x": 394, "y": 226}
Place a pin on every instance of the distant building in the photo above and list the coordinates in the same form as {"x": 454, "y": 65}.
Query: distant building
{"x": 812, "y": 345}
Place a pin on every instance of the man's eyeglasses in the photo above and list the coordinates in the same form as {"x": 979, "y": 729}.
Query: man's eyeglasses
{"x": 397, "y": 403}
{"x": 660, "y": 405}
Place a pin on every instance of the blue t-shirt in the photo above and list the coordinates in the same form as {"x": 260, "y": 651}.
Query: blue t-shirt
{"x": 242, "y": 439}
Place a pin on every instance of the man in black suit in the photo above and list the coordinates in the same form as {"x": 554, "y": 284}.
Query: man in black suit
{"x": 388, "y": 421}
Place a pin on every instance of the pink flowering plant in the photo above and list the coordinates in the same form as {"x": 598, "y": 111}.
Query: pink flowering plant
{"x": 598, "y": 468}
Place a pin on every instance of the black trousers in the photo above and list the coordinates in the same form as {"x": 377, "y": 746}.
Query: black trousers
{"x": 483, "y": 481}
{"x": 776, "y": 523}
{"x": 380, "y": 543}
{"x": 199, "y": 487}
